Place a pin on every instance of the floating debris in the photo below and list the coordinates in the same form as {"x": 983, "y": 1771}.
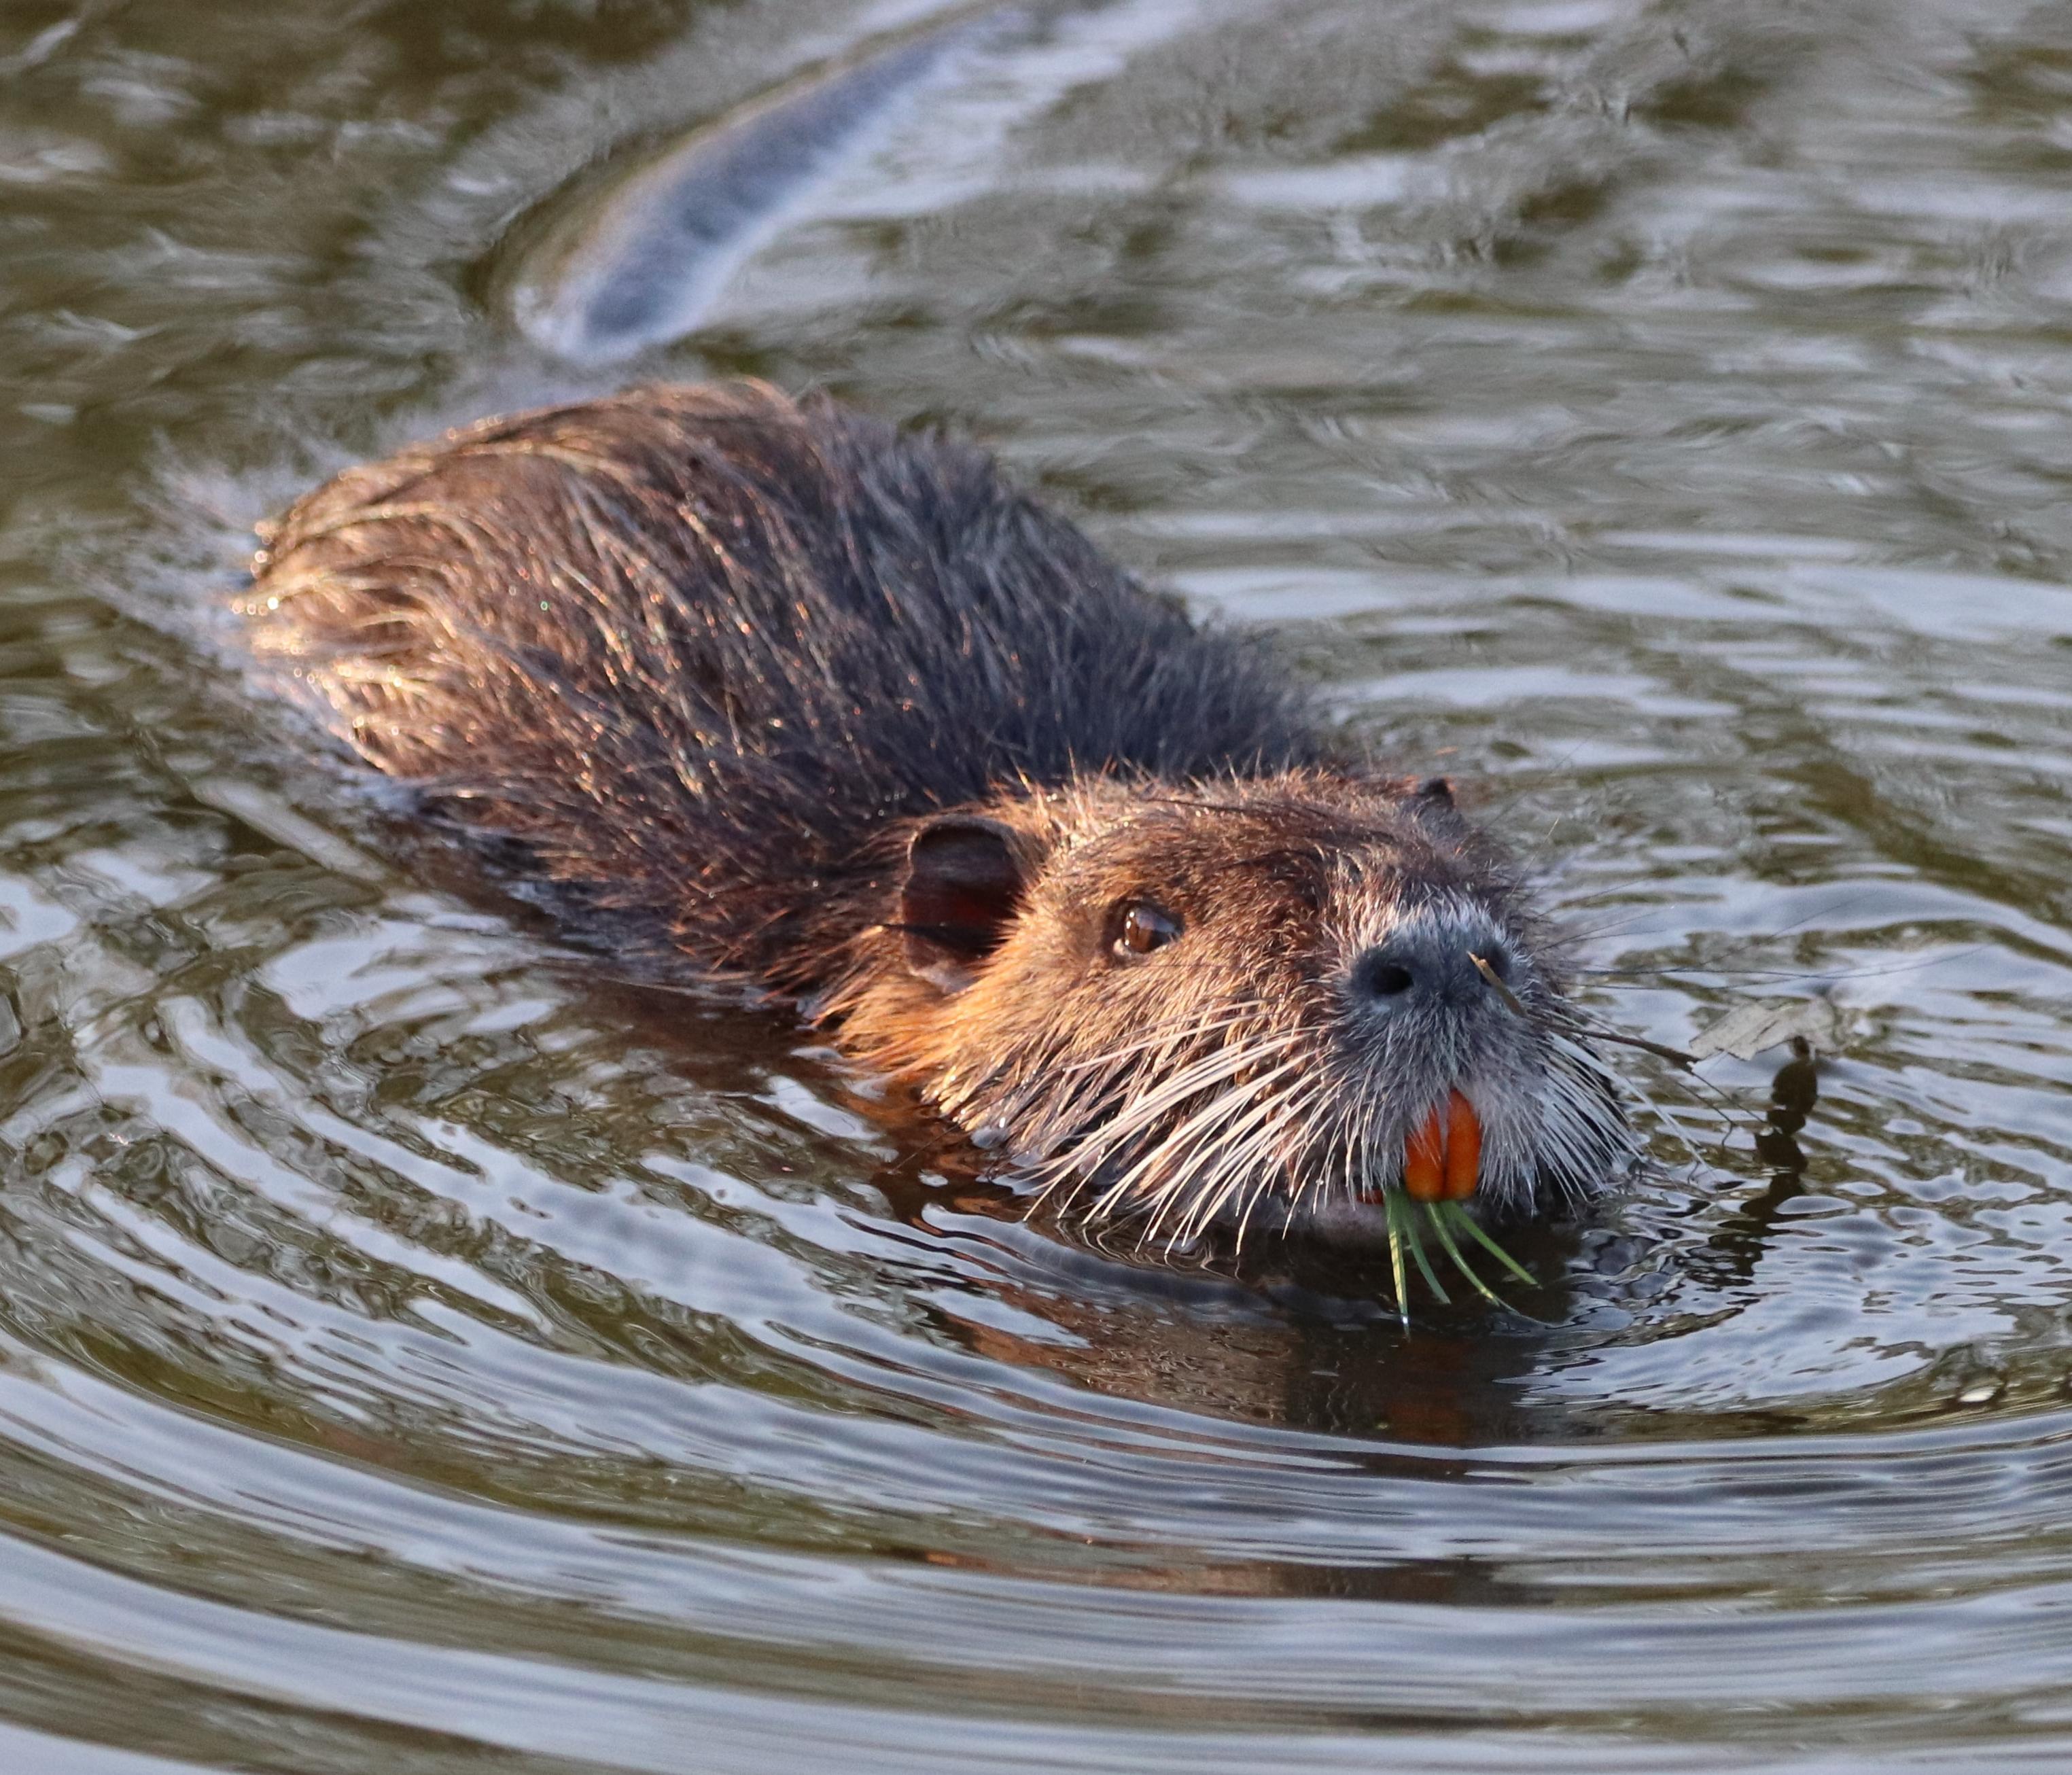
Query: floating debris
{"x": 642, "y": 260}
{"x": 1749, "y": 1030}
{"x": 271, "y": 817}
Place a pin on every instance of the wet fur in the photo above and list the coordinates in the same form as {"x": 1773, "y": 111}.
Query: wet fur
{"x": 717, "y": 665}
{"x": 701, "y": 651}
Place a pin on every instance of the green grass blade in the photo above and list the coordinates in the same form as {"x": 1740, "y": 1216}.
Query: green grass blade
{"x": 1389, "y": 1204}
{"x": 1466, "y": 1222}
{"x": 1417, "y": 1254}
{"x": 1458, "y": 1257}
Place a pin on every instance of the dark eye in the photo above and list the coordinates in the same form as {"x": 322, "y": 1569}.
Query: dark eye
{"x": 1142, "y": 928}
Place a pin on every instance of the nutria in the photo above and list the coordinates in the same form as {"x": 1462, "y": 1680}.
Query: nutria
{"x": 769, "y": 692}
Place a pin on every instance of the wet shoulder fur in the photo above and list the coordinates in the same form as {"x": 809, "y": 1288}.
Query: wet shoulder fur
{"x": 699, "y": 650}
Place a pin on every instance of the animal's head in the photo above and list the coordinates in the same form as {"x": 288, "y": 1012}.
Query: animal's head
{"x": 1264, "y": 1001}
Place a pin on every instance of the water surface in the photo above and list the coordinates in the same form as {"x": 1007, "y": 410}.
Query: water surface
{"x": 420, "y": 1352}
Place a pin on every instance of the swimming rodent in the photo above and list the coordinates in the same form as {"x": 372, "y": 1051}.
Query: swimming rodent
{"x": 763, "y": 691}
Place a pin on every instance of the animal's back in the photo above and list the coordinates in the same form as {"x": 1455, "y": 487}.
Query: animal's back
{"x": 702, "y": 650}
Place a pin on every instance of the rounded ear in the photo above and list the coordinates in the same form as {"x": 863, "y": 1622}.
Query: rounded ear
{"x": 964, "y": 881}
{"x": 1438, "y": 789}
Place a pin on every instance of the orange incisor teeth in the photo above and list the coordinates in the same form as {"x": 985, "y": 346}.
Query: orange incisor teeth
{"x": 1425, "y": 1161}
{"x": 1441, "y": 1159}
{"x": 1464, "y": 1147}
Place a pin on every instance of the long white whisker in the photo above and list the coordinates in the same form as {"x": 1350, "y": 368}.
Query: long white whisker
{"x": 1216, "y": 1187}
{"x": 1263, "y": 1101}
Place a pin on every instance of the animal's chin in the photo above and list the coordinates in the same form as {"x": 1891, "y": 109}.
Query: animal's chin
{"x": 1300, "y": 1206}
{"x": 1361, "y": 1222}
{"x": 1364, "y": 1220}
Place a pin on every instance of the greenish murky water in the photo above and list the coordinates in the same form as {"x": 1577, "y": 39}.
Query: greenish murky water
{"x": 419, "y": 1353}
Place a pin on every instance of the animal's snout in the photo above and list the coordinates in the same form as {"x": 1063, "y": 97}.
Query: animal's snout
{"x": 1430, "y": 963}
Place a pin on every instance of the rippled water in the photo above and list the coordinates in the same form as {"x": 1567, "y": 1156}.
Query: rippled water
{"x": 420, "y": 1353}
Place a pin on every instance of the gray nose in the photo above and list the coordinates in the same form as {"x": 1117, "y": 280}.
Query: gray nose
{"x": 1427, "y": 965}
